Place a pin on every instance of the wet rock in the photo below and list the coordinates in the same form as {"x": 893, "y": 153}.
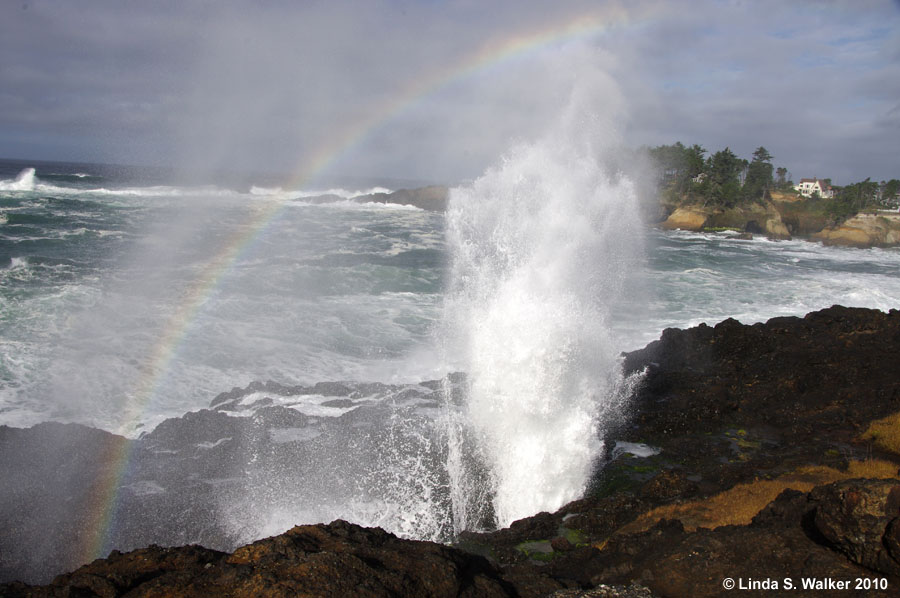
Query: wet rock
{"x": 812, "y": 380}
{"x": 333, "y": 560}
{"x": 561, "y": 544}
{"x": 669, "y": 484}
{"x": 50, "y": 476}
{"x": 859, "y": 518}
{"x": 605, "y": 591}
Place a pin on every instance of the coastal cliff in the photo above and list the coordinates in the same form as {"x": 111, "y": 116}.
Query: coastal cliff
{"x": 759, "y": 454}
{"x": 785, "y": 217}
{"x": 864, "y": 230}
{"x": 756, "y": 218}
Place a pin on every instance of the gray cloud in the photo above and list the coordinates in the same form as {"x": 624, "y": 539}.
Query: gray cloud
{"x": 276, "y": 84}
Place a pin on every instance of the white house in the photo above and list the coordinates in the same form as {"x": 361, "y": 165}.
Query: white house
{"x": 809, "y": 186}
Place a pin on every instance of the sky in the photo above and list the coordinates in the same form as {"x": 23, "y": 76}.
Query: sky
{"x": 437, "y": 91}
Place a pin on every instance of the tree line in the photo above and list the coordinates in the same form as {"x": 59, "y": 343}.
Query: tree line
{"x": 723, "y": 179}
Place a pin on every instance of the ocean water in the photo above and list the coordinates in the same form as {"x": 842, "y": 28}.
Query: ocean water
{"x": 126, "y": 299}
{"x": 96, "y": 275}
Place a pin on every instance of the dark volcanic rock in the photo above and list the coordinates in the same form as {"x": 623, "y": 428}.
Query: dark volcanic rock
{"x": 860, "y": 519}
{"x": 741, "y": 400}
{"x": 805, "y": 375}
{"x": 779, "y": 544}
{"x": 433, "y": 198}
{"x": 333, "y": 560}
{"x": 52, "y": 475}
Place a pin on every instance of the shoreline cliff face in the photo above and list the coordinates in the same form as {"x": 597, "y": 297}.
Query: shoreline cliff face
{"x": 758, "y": 218}
{"x": 783, "y": 218}
{"x": 864, "y": 230}
{"x": 747, "y": 454}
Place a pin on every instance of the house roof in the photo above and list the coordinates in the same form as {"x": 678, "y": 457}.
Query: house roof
{"x": 819, "y": 181}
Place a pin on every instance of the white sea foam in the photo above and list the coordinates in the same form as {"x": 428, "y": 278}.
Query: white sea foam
{"x": 341, "y": 192}
{"x": 24, "y": 181}
{"x": 281, "y": 193}
{"x": 308, "y": 404}
{"x": 636, "y": 449}
{"x": 160, "y": 191}
{"x": 350, "y": 204}
{"x": 18, "y": 263}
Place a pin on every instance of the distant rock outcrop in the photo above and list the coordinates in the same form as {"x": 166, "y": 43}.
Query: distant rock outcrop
{"x": 432, "y": 198}
{"x": 686, "y": 218}
{"x": 762, "y": 218}
{"x": 864, "y": 230}
{"x": 786, "y": 216}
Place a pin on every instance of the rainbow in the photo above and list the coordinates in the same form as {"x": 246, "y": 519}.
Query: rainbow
{"x": 103, "y": 495}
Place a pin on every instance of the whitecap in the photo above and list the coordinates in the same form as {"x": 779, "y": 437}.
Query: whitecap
{"x": 24, "y": 181}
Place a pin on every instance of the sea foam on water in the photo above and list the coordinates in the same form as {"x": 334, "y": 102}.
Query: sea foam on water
{"x": 24, "y": 181}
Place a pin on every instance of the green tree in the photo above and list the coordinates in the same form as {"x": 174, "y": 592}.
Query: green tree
{"x": 677, "y": 165}
{"x": 781, "y": 177}
{"x": 722, "y": 186}
{"x": 889, "y": 191}
{"x": 852, "y": 199}
{"x": 694, "y": 161}
{"x": 759, "y": 175}
{"x": 670, "y": 160}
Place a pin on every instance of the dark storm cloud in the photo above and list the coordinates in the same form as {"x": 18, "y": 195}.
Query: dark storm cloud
{"x": 266, "y": 84}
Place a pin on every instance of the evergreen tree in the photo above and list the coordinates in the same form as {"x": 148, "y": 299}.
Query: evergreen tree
{"x": 759, "y": 175}
{"x": 678, "y": 165}
{"x": 670, "y": 159}
{"x": 722, "y": 185}
{"x": 781, "y": 177}
{"x": 889, "y": 191}
{"x": 694, "y": 161}
{"x": 857, "y": 197}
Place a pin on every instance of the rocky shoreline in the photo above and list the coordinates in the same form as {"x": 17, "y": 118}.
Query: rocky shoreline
{"x": 784, "y": 220}
{"x": 432, "y": 198}
{"x": 750, "y": 453}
